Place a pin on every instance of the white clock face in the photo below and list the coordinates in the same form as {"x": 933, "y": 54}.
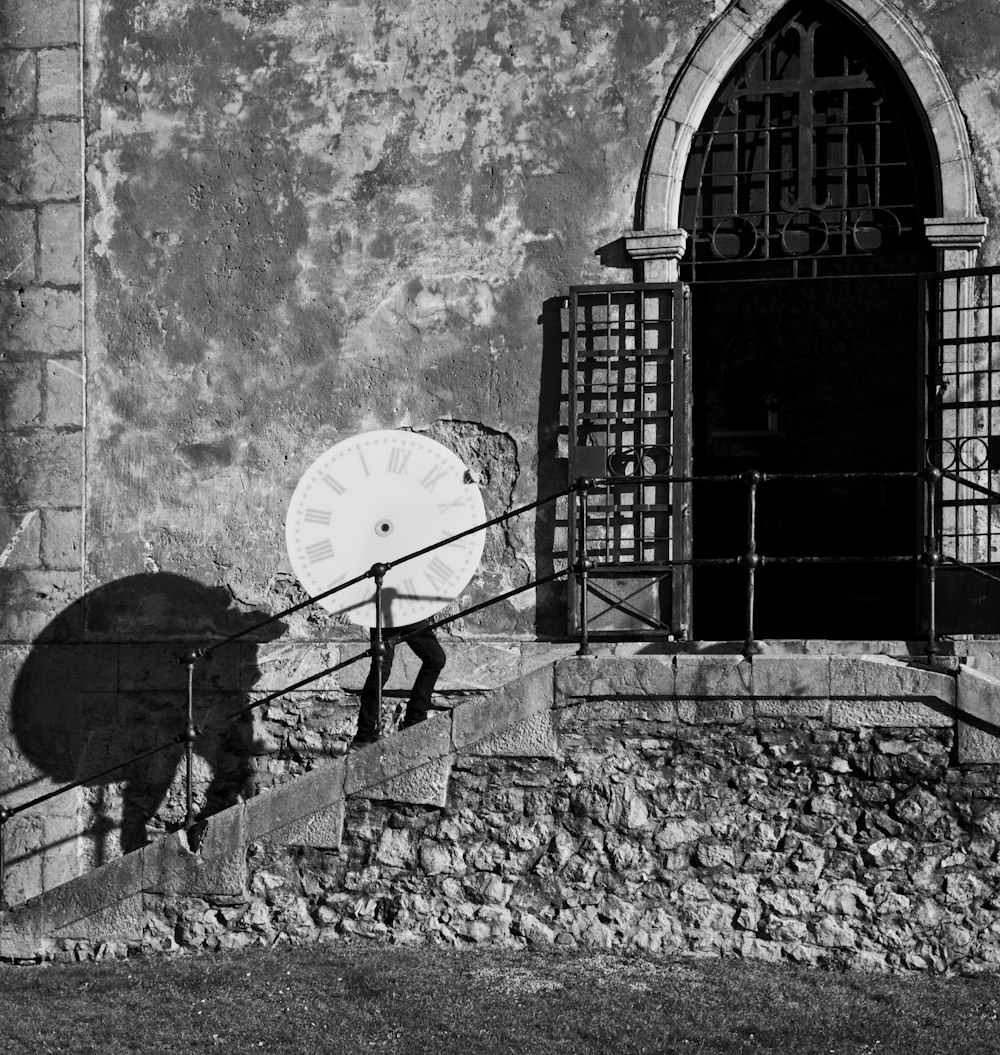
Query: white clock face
{"x": 372, "y": 499}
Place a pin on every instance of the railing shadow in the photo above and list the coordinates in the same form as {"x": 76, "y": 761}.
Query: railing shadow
{"x": 101, "y": 687}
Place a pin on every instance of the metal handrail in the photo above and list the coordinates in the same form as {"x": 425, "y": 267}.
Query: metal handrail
{"x": 931, "y": 558}
{"x": 191, "y": 732}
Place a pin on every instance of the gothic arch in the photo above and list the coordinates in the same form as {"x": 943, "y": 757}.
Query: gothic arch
{"x": 720, "y": 46}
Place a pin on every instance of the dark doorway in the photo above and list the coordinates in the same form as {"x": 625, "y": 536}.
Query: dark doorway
{"x": 804, "y": 196}
{"x": 808, "y": 376}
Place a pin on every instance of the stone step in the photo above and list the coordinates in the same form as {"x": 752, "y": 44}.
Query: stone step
{"x": 410, "y": 766}
{"x": 520, "y": 720}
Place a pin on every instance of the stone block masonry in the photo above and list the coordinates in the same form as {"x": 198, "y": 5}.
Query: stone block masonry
{"x": 41, "y": 313}
{"x": 616, "y": 812}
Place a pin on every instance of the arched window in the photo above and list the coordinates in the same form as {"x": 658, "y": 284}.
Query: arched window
{"x": 812, "y": 158}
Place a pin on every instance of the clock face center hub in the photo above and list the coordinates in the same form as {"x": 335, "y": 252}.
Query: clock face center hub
{"x": 383, "y": 527}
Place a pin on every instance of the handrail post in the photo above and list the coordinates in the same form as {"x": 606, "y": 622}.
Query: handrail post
{"x": 583, "y": 565}
{"x": 931, "y": 560}
{"x": 190, "y": 735}
{"x": 378, "y": 643}
{"x": 750, "y": 559}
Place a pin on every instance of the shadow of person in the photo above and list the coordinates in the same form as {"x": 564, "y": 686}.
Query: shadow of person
{"x": 104, "y": 682}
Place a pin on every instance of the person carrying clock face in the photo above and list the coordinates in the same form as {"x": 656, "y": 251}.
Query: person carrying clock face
{"x": 399, "y": 501}
{"x": 425, "y": 645}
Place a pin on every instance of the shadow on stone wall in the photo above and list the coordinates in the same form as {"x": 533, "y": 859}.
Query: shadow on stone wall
{"x": 104, "y": 682}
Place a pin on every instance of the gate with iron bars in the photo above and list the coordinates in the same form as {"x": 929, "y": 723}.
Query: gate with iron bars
{"x": 963, "y": 441}
{"x": 629, "y": 424}
{"x": 629, "y": 370}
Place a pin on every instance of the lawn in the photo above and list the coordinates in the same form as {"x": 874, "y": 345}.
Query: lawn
{"x": 386, "y": 999}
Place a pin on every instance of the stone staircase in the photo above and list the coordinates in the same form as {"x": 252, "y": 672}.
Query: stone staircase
{"x": 412, "y": 766}
{"x": 589, "y": 727}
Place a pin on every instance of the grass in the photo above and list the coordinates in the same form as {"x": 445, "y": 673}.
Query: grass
{"x": 384, "y": 999}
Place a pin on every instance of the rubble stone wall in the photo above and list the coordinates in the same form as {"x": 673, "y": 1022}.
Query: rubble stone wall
{"x": 772, "y": 830}
{"x": 830, "y": 831}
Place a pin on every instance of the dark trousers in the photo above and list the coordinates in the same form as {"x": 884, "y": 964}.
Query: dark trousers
{"x": 425, "y": 645}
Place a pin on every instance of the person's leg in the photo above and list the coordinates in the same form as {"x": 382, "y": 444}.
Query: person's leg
{"x": 368, "y": 716}
{"x": 425, "y": 644}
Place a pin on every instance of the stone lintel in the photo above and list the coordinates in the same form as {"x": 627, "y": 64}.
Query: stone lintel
{"x": 38, "y": 24}
{"x": 949, "y": 232}
{"x": 656, "y": 245}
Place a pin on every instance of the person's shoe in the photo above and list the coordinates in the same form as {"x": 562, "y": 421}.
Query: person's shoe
{"x": 363, "y": 741}
{"x": 411, "y": 720}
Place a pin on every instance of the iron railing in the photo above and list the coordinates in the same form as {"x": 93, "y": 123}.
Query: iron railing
{"x": 930, "y": 558}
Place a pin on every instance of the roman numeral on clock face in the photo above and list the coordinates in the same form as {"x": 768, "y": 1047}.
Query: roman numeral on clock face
{"x": 317, "y": 516}
{"x": 438, "y": 573}
{"x": 319, "y": 551}
{"x": 436, "y": 473}
{"x": 398, "y": 457}
{"x": 335, "y": 485}
{"x": 455, "y": 504}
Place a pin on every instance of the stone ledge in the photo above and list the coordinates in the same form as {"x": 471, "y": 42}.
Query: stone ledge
{"x": 978, "y": 701}
{"x": 911, "y": 714}
{"x": 323, "y": 829}
{"x": 713, "y": 675}
{"x": 869, "y": 678}
{"x": 784, "y": 676}
{"x": 292, "y": 803}
{"x": 798, "y": 707}
{"x": 125, "y": 920}
{"x": 620, "y": 676}
{"x": 529, "y": 695}
{"x": 622, "y": 710}
{"x": 397, "y": 754}
{"x": 534, "y": 737}
{"x": 426, "y": 785}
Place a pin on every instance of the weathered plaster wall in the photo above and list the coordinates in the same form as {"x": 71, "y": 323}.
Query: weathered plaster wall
{"x": 310, "y": 221}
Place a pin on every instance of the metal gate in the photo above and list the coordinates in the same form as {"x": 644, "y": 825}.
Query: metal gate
{"x": 629, "y": 430}
{"x": 963, "y": 370}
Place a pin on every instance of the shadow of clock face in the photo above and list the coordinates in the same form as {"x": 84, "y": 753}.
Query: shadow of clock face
{"x": 390, "y": 498}
{"x": 103, "y": 683}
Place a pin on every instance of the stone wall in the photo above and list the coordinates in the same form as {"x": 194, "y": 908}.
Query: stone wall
{"x": 657, "y": 804}
{"x": 828, "y": 832}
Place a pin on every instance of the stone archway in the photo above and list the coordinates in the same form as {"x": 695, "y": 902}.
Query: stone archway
{"x": 658, "y": 242}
